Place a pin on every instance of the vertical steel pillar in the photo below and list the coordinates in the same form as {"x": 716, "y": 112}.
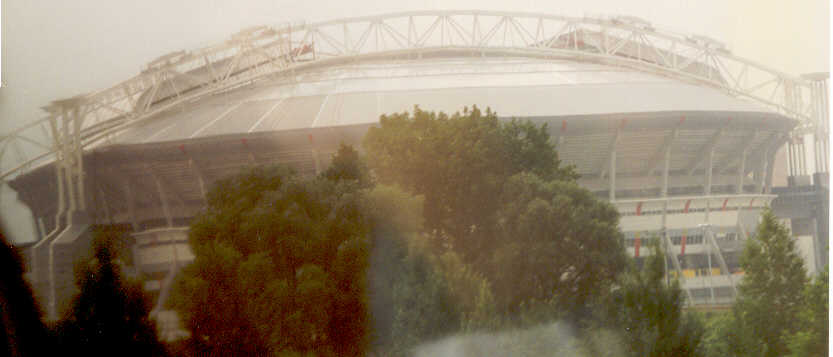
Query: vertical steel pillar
{"x": 669, "y": 250}
{"x": 708, "y": 234}
{"x": 59, "y": 168}
{"x": 66, "y": 122}
{"x": 77, "y": 120}
{"x": 66, "y": 119}
{"x": 68, "y": 164}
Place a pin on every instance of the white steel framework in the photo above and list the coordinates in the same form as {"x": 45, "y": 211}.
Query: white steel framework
{"x": 268, "y": 52}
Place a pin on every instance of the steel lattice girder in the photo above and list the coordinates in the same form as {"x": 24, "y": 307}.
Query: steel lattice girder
{"x": 266, "y": 52}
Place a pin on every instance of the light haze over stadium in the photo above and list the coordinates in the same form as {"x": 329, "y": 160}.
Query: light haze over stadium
{"x": 678, "y": 133}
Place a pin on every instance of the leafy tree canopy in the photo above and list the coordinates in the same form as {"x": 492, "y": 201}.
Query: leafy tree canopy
{"x": 770, "y": 294}
{"x": 279, "y": 266}
{"x": 650, "y": 313}
{"x": 417, "y": 294}
{"x": 811, "y": 338}
{"x": 559, "y": 240}
{"x": 497, "y": 196}
{"x": 459, "y": 162}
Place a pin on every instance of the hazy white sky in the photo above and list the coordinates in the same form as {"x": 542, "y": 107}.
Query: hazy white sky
{"x": 56, "y": 49}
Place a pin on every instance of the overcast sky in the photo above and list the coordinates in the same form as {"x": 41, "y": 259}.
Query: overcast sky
{"x": 56, "y": 49}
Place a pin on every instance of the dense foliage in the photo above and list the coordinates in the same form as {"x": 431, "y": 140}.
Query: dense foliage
{"x": 651, "y": 312}
{"x": 279, "y": 268}
{"x": 111, "y": 312}
{"x": 496, "y": 196}
{"x": 719, "y": 326}
{"x": 417, "y": 294}
{"x": 811, "y": 337}
{"x": 459, "y": 163}
{"x": 770, "y": 294}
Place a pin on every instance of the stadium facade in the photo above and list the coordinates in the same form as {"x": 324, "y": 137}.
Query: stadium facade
{"x": 676, "y": 132}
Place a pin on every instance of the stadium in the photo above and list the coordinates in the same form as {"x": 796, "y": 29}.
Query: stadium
{"x": 681, "y": 136}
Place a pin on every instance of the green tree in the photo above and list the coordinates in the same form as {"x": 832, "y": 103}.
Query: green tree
{"x": 111, "y": 312}
{"x": 650, "y": 312}
{"x": 497, "y": 196}
{"x": 718, "y": 327}
{"x": 417, "y": 294}
{"x": 812, "y": 334}
{"x": 553, "y": 240}
{"x": 459, "y": 163}
{"x": 770, "y": 294}
{"x": 347, "y": 165}
{"x": 280, "y": 264}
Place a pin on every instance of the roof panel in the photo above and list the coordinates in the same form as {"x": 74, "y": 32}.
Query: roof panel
{"x": 241, "y": 119}
{"x": 359, "y": 93}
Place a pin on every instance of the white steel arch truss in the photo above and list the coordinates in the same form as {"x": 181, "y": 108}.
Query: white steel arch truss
{"x": 268, "y": 52}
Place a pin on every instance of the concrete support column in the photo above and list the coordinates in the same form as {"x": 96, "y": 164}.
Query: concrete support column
{"x": 666, "y": 167}
{"x": 164, "y": 198}
{"x": 610, "y": 168}
{"x": 200, "y": 179}
{"x": 613, "y": 174}
{"x": 40, "y": 228}
{"x": 741, "y": 171}
{"x": 664, "y": 194}
{"x": 316, "y": 156}
{"x": 770, "y": 166}
{"x": 664, "y": 189}
{"x": 711, "y": 280}
{"x": 707, "y": 188}
{"x": 759, "y": 174}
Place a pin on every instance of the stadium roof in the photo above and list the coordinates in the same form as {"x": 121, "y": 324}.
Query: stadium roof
{"x": 359, "y": 93}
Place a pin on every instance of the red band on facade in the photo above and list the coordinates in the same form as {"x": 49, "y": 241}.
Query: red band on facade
{"x": 636, "y": 247}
